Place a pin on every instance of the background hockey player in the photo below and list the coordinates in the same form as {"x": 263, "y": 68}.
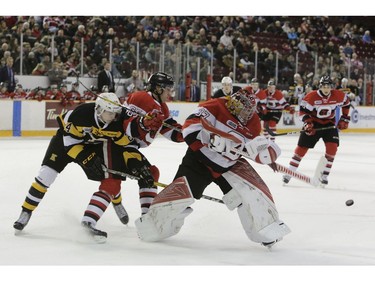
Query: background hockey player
{"x": 276, "y": 103}
{"x": 158, "y": 120}
{"x": 317, "y": 111}
{"x": 90, "y": 135}
{"x": 227, "y": 88}
{"x": 214, "y": 132}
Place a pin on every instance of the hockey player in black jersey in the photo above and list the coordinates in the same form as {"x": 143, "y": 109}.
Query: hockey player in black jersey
{"x": 227, "y": 88}
{"x": 91, "y": 135}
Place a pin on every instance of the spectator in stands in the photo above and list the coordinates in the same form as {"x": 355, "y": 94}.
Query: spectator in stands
{"x": 105, "y": 78}
{"x": 30, "y": 63}
{"x": 39, "y": 70}
{"x": 19, "y": 92}
{"x": 4, "y": 93}
{"x": 133, "y": 83}
{"x": 355, "y": 62}
{"x": 195, "y": 91}
{"x": 302, "y": 45}
{"x": 7, "y": 75}
{"x": 292, "y": 34}
{"x": 227, "y": 39}
{"x": 55, "y": 74}
{"x": 366, "y": 38}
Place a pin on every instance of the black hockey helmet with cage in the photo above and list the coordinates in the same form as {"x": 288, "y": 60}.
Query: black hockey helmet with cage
{"x": 160, "y": 79}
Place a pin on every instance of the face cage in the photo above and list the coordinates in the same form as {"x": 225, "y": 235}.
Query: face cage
{"x": 99, "y": 111}
{"x": 242, "y": 112}
{"x": 162, "y": 87}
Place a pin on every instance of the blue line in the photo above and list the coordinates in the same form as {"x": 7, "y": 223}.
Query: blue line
{"x": 17, "y": 106}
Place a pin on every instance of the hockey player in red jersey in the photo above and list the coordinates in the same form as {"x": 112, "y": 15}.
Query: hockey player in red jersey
{"x": 276, "y": 103}
{"x": 154, "y": 119}
{"x": 317, "y": 111}
{"x": 214, "y": 132}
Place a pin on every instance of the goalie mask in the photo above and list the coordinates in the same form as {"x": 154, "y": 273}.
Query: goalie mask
{"x": 242, "y": 104}
{"x": 107, "y": 107}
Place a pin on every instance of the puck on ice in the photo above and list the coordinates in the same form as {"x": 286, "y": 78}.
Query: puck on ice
{"x": 349, "y": 202}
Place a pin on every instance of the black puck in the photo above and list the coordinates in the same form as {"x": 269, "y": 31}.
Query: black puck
{"x": 349, "y": 202}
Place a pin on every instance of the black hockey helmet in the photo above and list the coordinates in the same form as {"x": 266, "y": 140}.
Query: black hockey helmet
{"x": 325, "y": 80}
{"x": 160, "y": 79}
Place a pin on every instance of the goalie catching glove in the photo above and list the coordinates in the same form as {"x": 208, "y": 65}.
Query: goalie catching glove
{"x": 152, "y": 121}
{"x": 262, "y": 150}
{"x": 91, "y": 163}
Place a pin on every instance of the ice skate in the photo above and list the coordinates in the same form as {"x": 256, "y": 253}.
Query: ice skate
{"x": 121, "y": 213}
{"x": 323, "y": 181}
{"x": 98, "y": 235}
{"x": 22, "y": 221}
{"x": 269, "y": 245}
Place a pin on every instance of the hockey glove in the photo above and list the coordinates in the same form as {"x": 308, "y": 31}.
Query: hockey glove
{"x": 152, "y": 121}
{"x": 343, "y": 122}
{"x": 308, "y": 128}
{"x": 147, "y": 180}
{"x": 91, "y": 163}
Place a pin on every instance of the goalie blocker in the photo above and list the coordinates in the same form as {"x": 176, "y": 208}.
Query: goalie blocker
{"x": 249, "y": 194}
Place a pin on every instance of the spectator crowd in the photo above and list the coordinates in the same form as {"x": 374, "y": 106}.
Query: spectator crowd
{"x": 52, "y": 46}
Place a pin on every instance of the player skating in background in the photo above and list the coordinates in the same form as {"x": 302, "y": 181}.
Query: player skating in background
{"x": 275, "y": 104}
{"x": 318, "y": 112}
{"x": 212, "y": 132}
{"x": 227, "y": 88}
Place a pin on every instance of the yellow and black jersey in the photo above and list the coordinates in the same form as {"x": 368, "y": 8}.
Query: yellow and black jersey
{"x": 81, "y": 127}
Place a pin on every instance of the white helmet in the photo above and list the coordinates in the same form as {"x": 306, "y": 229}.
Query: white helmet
{"x": 108, "y": 102}
{"x": 226, "y": 80}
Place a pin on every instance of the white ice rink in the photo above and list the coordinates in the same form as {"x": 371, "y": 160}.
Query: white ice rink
{"x": 324, "y": 230}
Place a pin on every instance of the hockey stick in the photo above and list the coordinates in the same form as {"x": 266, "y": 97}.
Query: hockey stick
{"x": 163, "y": 185}
{"x": 272, "y": 133}
{"x": 279, "y": 168}
{"x": 127, "y": 108}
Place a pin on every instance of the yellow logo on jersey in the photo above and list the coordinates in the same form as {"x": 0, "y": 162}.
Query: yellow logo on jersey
{"x": 53, "y": 157}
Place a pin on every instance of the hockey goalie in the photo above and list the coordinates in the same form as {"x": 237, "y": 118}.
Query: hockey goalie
{"x": 215, "y": 132}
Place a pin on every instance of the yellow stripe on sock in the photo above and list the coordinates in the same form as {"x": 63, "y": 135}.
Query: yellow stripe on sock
{"x": 117, "y": 200}
{"x": 38, "y": 187}
{"x": 28, "y": 206}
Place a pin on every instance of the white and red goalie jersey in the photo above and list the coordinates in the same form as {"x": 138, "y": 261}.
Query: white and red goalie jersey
{"x": 142, "y": 102}
{"x": 322, "y": 108}
{"x": 216, "y": 112}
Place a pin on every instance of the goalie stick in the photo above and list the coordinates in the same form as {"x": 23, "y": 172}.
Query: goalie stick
{"x": 272, "y": 133}
{"x": 163, "y": 185}
{"x": 279, "y": 168}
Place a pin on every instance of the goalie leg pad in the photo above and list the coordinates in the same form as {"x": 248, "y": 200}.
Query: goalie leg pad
{"x": 167, "y": 212}
{"x": 258, "y": 213}
{"x": 232, "y": 199}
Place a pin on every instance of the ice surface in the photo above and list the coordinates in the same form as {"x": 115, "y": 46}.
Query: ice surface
{"x": 324, "y": 230}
